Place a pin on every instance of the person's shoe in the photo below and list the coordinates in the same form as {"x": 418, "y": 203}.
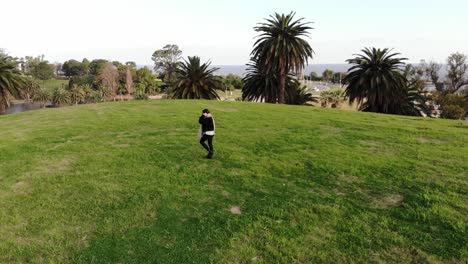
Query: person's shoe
{"x": 210, "y": 155}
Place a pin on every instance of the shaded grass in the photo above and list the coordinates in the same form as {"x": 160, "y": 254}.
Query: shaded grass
{"x": 126, "y": 182}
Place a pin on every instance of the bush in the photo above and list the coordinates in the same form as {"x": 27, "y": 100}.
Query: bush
{"x": 453, "y": 112}
{"x": 139, "y": 95}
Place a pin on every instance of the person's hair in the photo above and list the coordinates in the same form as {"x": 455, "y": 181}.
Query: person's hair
{"x": 206, "y": 111}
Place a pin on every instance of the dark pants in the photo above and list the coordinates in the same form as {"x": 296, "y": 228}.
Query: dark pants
{"x": 210, "y": 142}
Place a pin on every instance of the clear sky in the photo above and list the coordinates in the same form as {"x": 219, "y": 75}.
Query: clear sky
{"x": 130, "y": 30}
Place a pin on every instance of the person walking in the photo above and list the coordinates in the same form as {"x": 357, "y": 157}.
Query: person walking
{"x": 207, "y": 131}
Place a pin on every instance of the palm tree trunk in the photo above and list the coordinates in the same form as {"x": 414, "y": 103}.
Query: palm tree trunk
{"x": 282, "y": 86}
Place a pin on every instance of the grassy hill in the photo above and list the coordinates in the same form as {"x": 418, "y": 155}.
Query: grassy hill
{"x": 127, "y": 182}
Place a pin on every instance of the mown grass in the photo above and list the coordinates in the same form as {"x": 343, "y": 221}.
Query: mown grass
{"x": 127, "y": 183}
{"x": 52, "y": 84}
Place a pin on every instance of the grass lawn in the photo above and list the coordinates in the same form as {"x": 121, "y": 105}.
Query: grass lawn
{"x": 126, "y": 182}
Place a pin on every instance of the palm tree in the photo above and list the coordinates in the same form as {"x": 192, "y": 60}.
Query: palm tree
{"x": 60, "y": 97}
{"x": 259, "y": 86}
{"x": 31, "y": 88}
{"x": 333, "y": 97}
{"x": 77, "y": 94}
{"x": 42, "y": 95}
{"x": 280, "y": 48}
{"x": 297, "y": 94}
{"x": 263, "y": 87}
{"x": 12, "y": 81}
{"x": 376, "y": 81}
{"x": 196, "y": 81}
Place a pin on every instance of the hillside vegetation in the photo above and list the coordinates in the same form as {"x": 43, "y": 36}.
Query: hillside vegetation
{"x": 127, "y": 182}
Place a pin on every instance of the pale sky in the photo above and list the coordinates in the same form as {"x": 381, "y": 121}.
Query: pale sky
{"x": 222, "y": 31}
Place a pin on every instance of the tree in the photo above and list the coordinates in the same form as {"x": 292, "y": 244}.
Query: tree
{"x": 147, "y": 80}
{"x": 327, "y": 75}
{"x": 43, "y": 71}
{"x": 166, "y": 61}
{"x": 334, "y": 97}
{"x": 73, "y": 68}
{"x": 30, "y": 88}
{"x": 298, "y": 94}
{"x": 109, "y": 78}
{"x": 457, "y": 67}
{"x": 12, "y": 81}
{"x": 129, "y": 81}
{"x": 376, "y": 81}
{"x": 196, "y": 81}
{"x": 314, "y": 76}
{"x": 96, "y": 66}
{"x": 60, "y": 97}
{"x": 280, "y": 48}
{"x": 42, "y": 95}
{"x": 77, "y": 94}
{"x": 260, "y": 85}
{"x": 432, "y": 70}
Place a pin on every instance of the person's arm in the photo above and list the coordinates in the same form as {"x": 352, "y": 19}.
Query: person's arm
{"x": 201, "y": 119}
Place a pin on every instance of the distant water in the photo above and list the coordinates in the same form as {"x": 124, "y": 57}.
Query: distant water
{"x": 318, "y": 68}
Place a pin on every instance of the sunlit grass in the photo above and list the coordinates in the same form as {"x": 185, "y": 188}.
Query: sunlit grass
{"x": 127, "y": 182}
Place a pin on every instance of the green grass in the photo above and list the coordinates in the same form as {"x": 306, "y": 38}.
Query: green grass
{"x": 126, "y": 182}
{"x": 52, "y": 84}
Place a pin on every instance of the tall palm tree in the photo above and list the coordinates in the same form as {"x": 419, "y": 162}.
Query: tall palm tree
{"x": 12, "y": 81}
{"x": 196, "y": 81}
{"x": 259, "y": 85}
{"x": 281, "y": 49}
{"x": 376, "y": 81}
{"x": 263, "y": 87}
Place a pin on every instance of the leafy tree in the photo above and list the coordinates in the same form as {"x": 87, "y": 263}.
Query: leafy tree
{"x": 43, "y": 71}
{"x": 195, "y": 80}
{"x": 281, "y": 49}
{"x": 432, "y": 70}
{"x": 327, "y": 75}
{"x": 73, "y": 68}
{"x": 147, "y": 80}
{"x": 314, "y": 76}
{"x": 167, "y": 60}
{"x": 376, "y": 81}
{"x": 457, "y": 68}
{"x": 12, "y": 81}
{"x": 96, "y": 66}
{"x": 85, "y": 65}
{"x": 131, "y": 64}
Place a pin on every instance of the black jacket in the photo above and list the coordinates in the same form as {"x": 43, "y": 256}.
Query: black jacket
{"x": 207, "y": 123}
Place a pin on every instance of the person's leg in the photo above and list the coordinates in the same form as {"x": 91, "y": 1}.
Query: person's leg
{"x": 210, "y": 143}
{"x": 202, "y": 142}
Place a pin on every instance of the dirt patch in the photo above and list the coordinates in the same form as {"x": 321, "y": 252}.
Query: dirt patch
{"x": 226, "y": 193}
{"x": 404, "y": 255}
{"x": 388, "y": 201}
{"x": 20, "y": 187}
{"x": 235, "y": 210}
{"x": 423, "y": 140}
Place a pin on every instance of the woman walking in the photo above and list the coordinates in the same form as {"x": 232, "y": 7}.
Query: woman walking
{"x": 207, "y": 131}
